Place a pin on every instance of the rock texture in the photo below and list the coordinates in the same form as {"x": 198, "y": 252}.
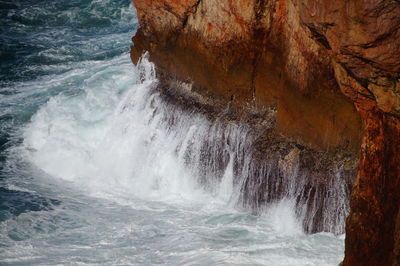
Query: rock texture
{"x": 254, "y": 54}
{"x": 363, "y": 39}
{"x": 331, "y": 70}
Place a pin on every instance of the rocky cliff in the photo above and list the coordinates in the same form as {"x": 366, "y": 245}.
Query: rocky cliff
{"x": 330, "y": 70}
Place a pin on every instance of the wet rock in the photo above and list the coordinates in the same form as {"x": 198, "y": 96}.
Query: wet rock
{"x": 330, "y": 70}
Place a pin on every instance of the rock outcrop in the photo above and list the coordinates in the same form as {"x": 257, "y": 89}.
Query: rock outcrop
{"x": 254, "y": 54}
{"x": 331, "y": 71}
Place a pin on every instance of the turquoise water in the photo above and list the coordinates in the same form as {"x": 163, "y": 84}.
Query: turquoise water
{"x": 92, "y": 172}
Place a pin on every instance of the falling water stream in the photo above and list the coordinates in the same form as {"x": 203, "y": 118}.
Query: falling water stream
{"x": 97, "y": 169}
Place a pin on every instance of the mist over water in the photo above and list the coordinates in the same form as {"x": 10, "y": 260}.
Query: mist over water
{"x": 95, "y": 168}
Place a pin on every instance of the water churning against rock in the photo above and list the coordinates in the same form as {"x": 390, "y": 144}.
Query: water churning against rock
{"x": 157, "y": 150}
{"x": 99, "y": 168}
{"x": 219, "y": 156}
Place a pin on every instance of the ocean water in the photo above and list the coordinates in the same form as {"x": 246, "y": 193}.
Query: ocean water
{"x": 96, "y": 169}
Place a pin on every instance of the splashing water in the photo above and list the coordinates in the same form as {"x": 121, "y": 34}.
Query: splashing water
{"x": 98, "y": 169}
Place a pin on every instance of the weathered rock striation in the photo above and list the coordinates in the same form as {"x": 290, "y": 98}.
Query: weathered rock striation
{"x": 330, "y": 70}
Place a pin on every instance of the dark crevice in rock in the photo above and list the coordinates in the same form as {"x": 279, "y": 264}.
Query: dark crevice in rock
{"x": 369, "y": 96}
{"x": 259, "y": 39}
{"x": 380, "y": 39}
{"x": 347, "y": 51}
{"x": 318, "y": 36}
{"x": 170, "y": 10}
{"x": 189, "y": 12}
{"x": 382, "y": 8}
{"x": 361, "y": 81}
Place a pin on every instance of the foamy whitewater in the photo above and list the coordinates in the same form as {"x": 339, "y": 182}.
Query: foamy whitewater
{"x": 96, "y": 169}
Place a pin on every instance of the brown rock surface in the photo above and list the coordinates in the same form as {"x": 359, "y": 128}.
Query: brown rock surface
{"x": 249, "y": 52}
{"x": 324, "y": 65}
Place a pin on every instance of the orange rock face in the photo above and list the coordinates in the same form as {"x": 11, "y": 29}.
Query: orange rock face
{"x": 363, "y": 39}
{"x": 258, "y": 54}
{"x": 372, "y": 228}
{"x": 330, "y": 68}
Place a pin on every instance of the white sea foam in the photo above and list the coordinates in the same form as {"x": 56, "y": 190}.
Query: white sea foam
{"x": 110, "y": 141}
{"x": 114, "y": 138}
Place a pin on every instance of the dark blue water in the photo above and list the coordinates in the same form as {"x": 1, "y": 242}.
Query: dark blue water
{"x": 42, "y": 40}
{"x": 90, "y": 173}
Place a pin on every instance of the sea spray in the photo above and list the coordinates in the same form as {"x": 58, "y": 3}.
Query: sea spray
{"x": 152, "y": 149}
{"x": 120, "y": 180}
{"x": 69, "y": 191}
